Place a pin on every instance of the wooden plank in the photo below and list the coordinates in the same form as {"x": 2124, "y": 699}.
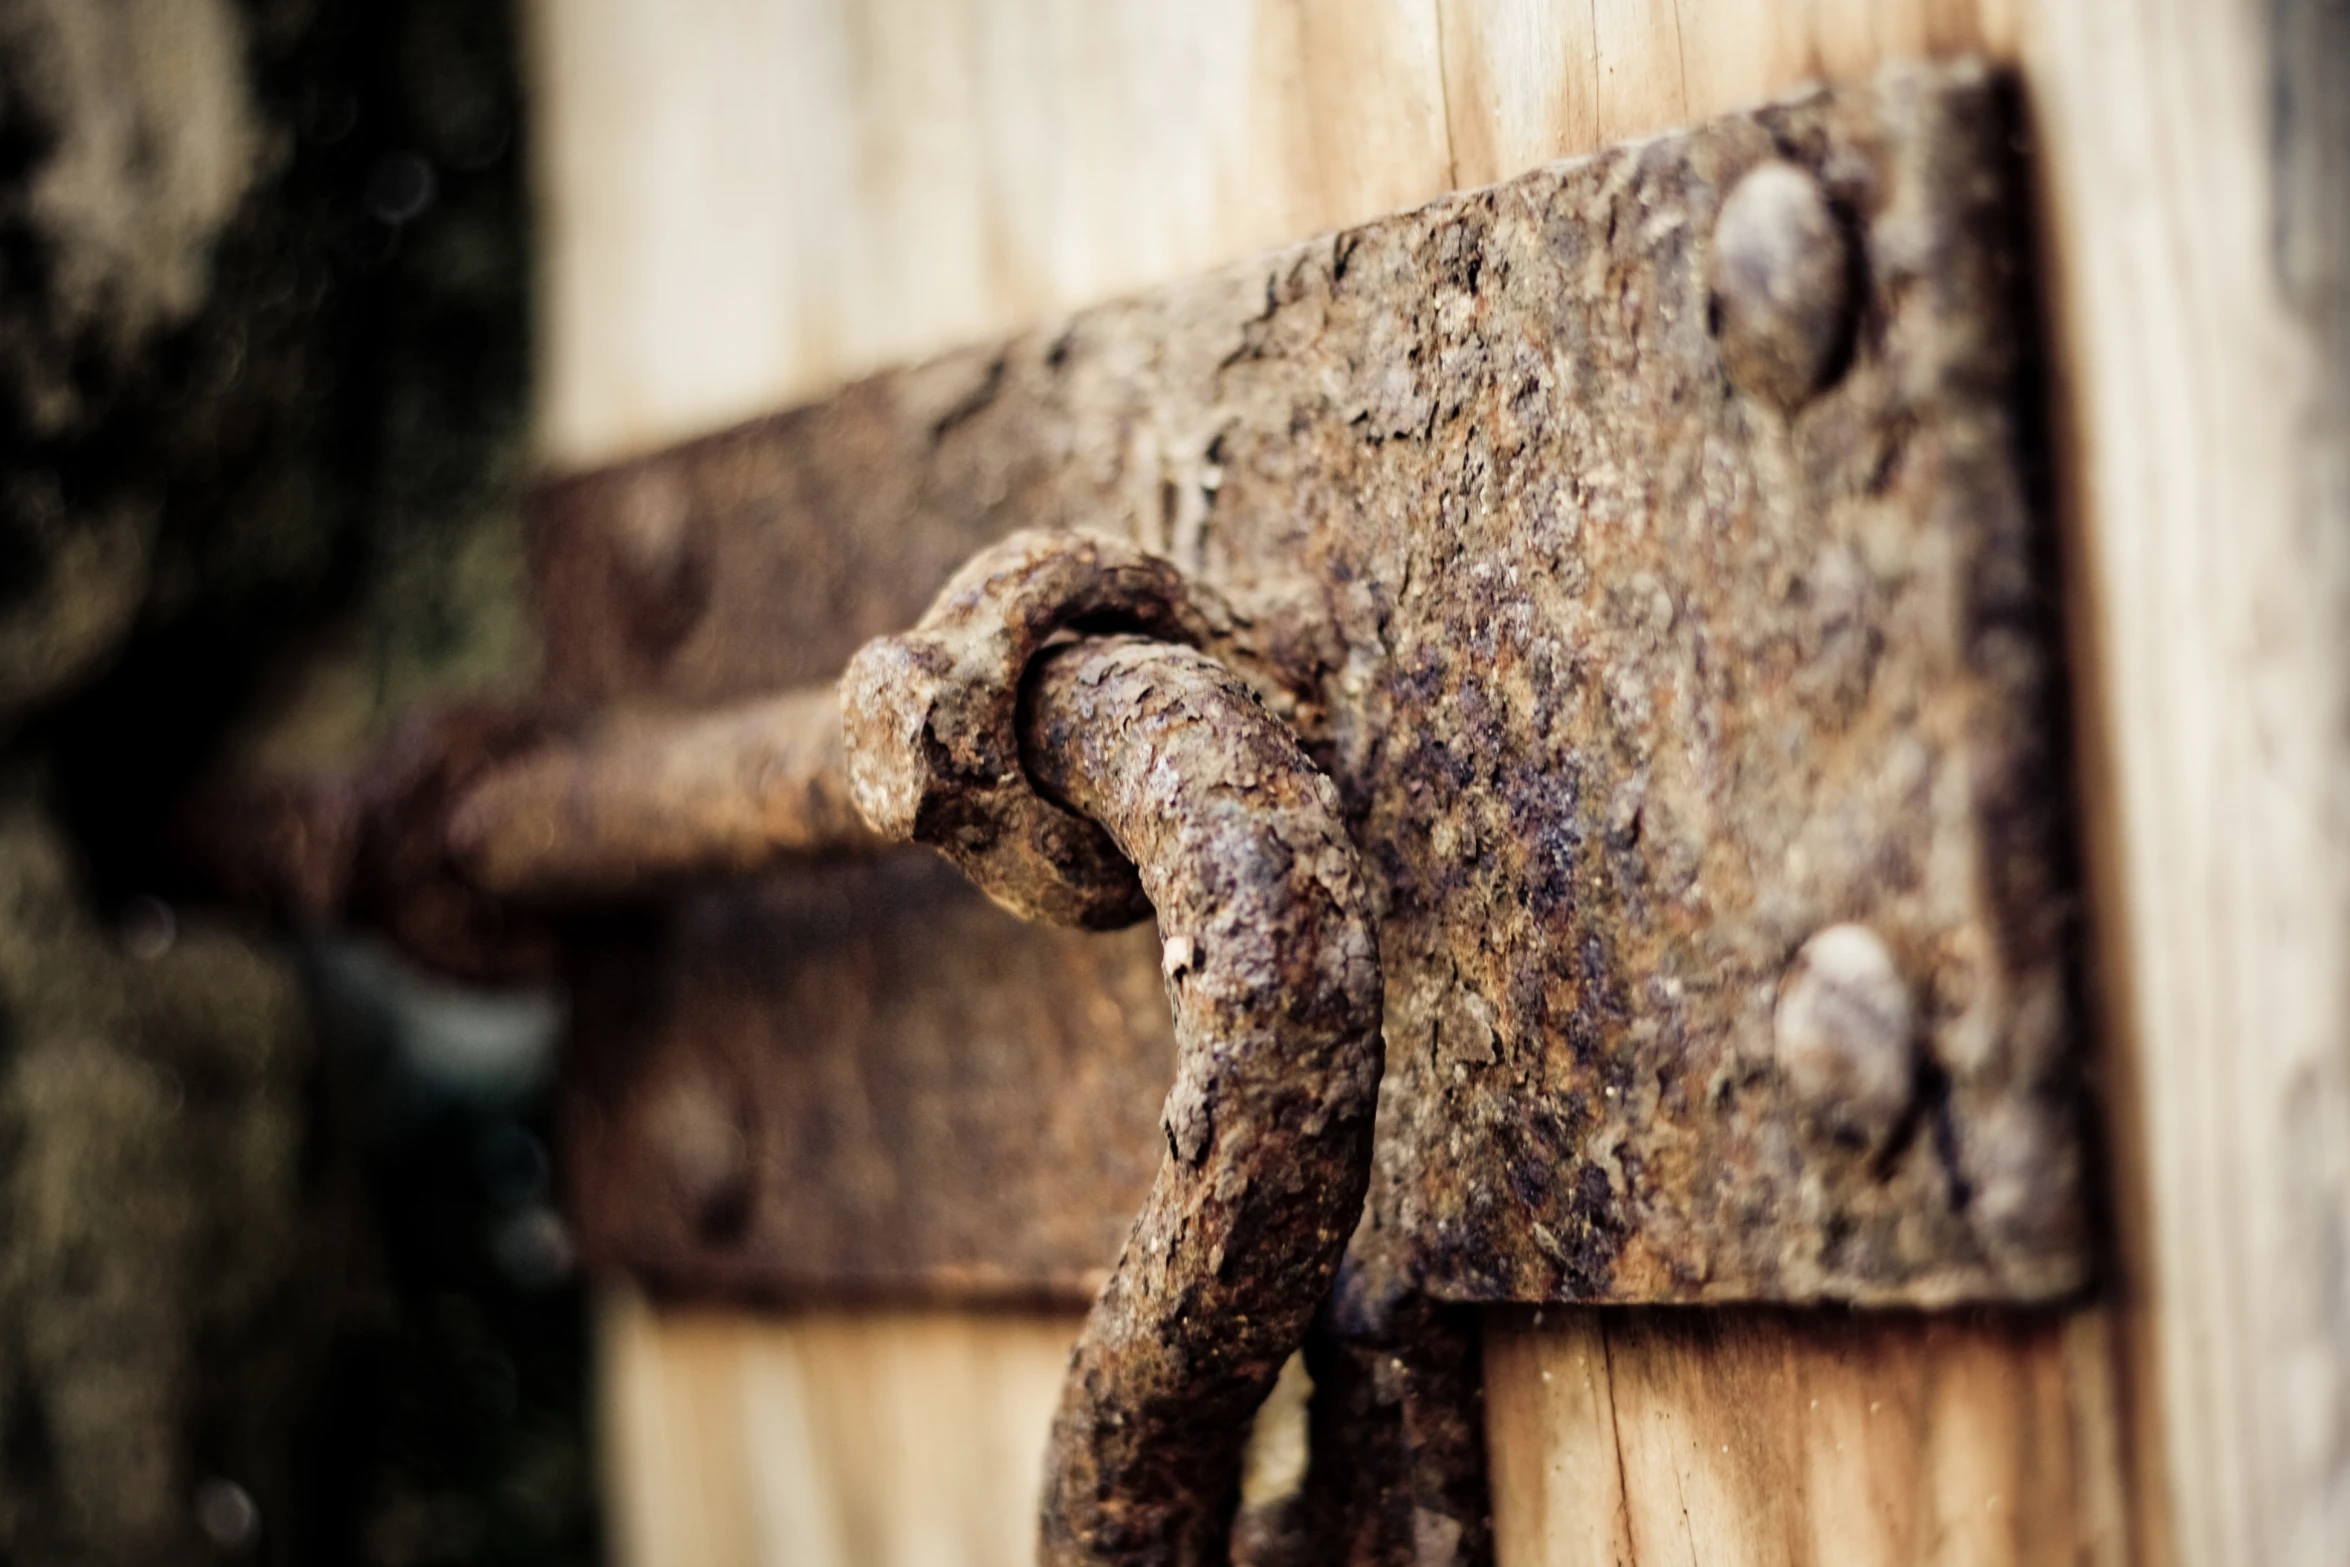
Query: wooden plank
{"x": 1527, "y": 81}
{"x": 888, "y": 1439}
{"x": 1764, "y": 1439}
{"x": 743, "y": 202}
{"x": 2197, "y": 161}
{"x": 1521, "y": 85}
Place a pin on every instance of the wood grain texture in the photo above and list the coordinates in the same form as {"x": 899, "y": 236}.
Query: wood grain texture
{"x": 1531, "y": 80}
{"x": 744, "y": 202}
{"x": 1757, "y": 1439}
{"x": 2197, "y": 163}
{"x": 826, "y": 1440}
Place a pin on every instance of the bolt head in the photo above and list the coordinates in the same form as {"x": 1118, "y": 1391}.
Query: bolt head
{"x": 1845, "y": 1032}
{"x": 1782, "y": 277}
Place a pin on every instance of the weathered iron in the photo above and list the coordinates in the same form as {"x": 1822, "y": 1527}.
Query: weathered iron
{"x": 1273, "y": 972}
{"x": 972, "y": 733}
{"x": 860, "y": 1082}
{"x": 370, "y": 846}
{"x": 478, "y": 827}
{"x": 1642, "y": 546}
{"x": 1656, "y": 599}
{"x": 1643, "y": 549}
{"x": 1783, "y": 285}
{"x": 964, "y": 1072}
{"x": 1396, "y": 1471}
{"x": 1844, "y": 1031}
{"x": 935, "y": 756}
{"x": 647, "y": 801}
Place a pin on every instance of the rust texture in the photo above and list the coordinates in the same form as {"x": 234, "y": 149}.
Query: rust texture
{"x": 935, "y": 754}
{"x": 961, "y": 1074}
{"x": 859, "y": 1082}
{"x": 659, "y": 798}
{"x": 1272, "y": 970}
{"x": 937, "y": 760}
{"x": 1397, "y": 1471}
{"x": 475, "y": 825}
{"x": 1654, "y": 611}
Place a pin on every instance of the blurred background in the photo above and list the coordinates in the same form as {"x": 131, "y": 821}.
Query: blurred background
{"x": 280, "y": 1278}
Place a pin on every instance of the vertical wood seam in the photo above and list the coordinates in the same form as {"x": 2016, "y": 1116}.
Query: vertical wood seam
{"x": 1452, "y": 155}
{"x": 1591, "y": 14}
{"x": 1615, "y": 1432}
{"x": 1680, "y": 55}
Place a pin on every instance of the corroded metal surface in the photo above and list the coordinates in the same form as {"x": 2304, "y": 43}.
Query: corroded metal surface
{"x": 1637, "y": 664}
{"x": 1264, "y": 923}
{"x": 934, "y": 753}
{"x": 1057, "y": 776}
{"x": 466, "y": 837}
{"x": 1397, "y": 1473}
{"x": 860, "y": 1082}
{"x": 646, "y": 800}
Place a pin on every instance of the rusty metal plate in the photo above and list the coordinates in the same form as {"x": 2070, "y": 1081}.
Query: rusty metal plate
{"x": 863, "y": 1082}
{"x": 1635, "y": 677}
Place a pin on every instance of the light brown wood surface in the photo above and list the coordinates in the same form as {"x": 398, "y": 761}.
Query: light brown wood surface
{"x": 746, "y": 201}
{"x": 2196, "y": 160}
{"x": 1772, "y": 1439}
{"x": 826, "y": 1439}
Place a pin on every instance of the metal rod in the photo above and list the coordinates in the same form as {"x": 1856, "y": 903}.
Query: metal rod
{"x": 1272, "y": 965}
{"x": 472, "y": 823}
{"x": 658, "y": 798}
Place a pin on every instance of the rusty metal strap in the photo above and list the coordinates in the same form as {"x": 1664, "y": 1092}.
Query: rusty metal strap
{"x": 1644, "y": 548}
{"x": 1659, "y": 533}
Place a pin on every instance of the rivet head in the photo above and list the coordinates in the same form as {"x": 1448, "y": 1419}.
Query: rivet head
{"x": 1782, "y": 285}
{"x": 702, "y": 1134}
{"x": 1845, "y": 1032}
{"x": 660, "y": 570}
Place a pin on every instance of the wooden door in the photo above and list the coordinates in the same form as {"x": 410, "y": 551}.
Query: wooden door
{"x": 745, "y": 202}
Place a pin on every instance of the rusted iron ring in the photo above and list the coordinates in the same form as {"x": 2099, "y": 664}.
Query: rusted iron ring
{"x": 1272, "y": 967}
{"x": 933, "y": 750}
